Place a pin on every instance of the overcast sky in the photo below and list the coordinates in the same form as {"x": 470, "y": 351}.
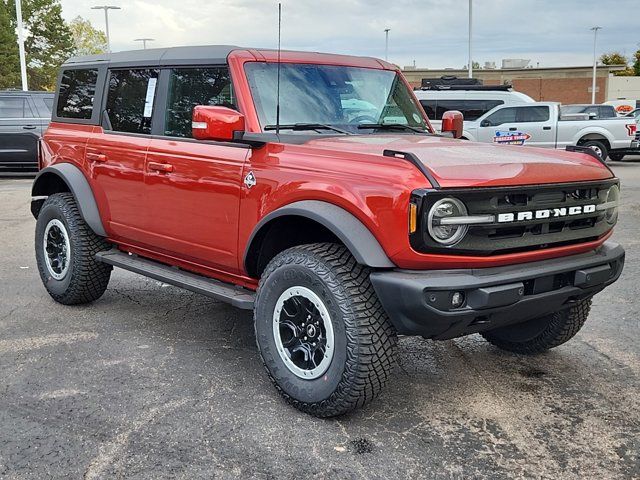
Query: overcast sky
{"x": 431, "y": 32}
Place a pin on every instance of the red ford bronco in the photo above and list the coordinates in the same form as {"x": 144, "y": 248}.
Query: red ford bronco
{"x": 314, "y": 191}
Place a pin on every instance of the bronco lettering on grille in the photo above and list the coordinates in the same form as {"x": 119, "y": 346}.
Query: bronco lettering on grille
{"x": 546, "y": 213}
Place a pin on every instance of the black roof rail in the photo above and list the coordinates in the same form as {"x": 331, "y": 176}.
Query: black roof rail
{"x": 494, "y": 88}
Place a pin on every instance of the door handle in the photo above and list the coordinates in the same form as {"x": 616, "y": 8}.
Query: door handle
{"x": 96, "y": 157}
{"x": 546, "y": 128}
{"x": 29, "y": 127}
{"x": 161, "y": 167}
{"x": 513, "y": 129}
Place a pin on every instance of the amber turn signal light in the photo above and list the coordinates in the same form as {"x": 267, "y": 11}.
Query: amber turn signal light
{"x": 413, "y": 217}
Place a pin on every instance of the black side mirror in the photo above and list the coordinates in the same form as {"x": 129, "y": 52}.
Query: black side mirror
{"x": 485, "y": 123}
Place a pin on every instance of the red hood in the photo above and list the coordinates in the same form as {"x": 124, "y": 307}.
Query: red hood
{"x": 460, "y": 163}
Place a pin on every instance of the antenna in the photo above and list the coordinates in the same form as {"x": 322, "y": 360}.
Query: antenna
{"x": 278, "y": 80}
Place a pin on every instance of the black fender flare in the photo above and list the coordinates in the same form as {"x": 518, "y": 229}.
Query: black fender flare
{"x": 352, "y": 232}
{"x": 78, "y": 185}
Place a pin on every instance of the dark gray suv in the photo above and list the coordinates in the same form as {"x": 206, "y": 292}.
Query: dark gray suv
{"x": 23, "y": 118}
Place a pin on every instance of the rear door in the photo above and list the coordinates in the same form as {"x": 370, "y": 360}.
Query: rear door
{"x": 19, "y": 132}
{"x": 116, "y": 153}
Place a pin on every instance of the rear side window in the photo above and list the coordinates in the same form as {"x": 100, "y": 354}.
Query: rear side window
{"x": 471, "y": 109}
{"x": 189, "y": 87}
{"x": 533, "y": 114}
{"x": 15, "y": 107}
{"x": 76, "y": 94}
{"x": 130, "y": 99}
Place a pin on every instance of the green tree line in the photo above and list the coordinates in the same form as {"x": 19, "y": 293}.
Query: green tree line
{"x": 49, "y": 41}
{"x": 616, "y": 58}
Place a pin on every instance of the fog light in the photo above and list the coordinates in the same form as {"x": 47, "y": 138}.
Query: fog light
{"x": 457, "y": 299}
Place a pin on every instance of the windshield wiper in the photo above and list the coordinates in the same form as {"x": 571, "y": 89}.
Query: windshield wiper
{"x": 307, "y": 126}
{"x": 391, "y": 126}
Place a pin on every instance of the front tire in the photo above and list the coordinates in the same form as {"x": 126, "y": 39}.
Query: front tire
{"x": 323, "y": 336}
{"x": 541, "y": 334}
{"x": 599, "y": 147}
{"x": 65, "y": 253}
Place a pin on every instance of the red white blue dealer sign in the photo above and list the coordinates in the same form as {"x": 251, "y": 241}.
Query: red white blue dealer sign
{"x": 511, "y": 138}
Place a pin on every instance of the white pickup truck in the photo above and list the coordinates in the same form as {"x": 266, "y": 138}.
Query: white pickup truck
{"x": 540, "y": 125}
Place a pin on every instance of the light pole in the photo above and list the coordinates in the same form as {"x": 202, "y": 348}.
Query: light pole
{"x": 470, "y": 31}
{"x": 144, "y": 41}
{"x": 23, "y": 57}
{"x": 593, "y": 84}
{"x": 106, "y": 9}
{"x": 386, "y": 44}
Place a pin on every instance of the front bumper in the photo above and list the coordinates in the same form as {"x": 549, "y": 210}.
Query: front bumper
{"x": 420, "y": 302}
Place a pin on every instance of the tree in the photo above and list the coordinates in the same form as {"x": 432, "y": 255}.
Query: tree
{"x": 636, "y": 63}
{"x": 48, "y": 40}
{"x": 616, "y": 58}
{"x": 613, "y": 58}
{"x": 9, "y": 57}
{"x": 87, "y": 40}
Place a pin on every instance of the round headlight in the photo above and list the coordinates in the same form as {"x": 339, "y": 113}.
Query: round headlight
{"x": 613, "y": 196}
{"x": 444, "y": 234}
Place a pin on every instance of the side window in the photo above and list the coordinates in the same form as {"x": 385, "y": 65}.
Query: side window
{"x": 130, "y": 99}
{"x": 15, "y": 107}
{"x": 533, "y": 114}
{"x": 189, "y": 87}
{"x": 430, "y": 107}
{"x": 505, "y": 115}
{"x": 77, "y": 89}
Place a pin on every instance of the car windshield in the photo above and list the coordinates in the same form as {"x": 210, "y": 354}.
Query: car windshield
{"x": 353, "y": 100}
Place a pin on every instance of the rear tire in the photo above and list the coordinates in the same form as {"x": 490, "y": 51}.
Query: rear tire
{"x": 599, "y": 147}
{"x": 541, "y": 334}
{"x": 616, "y": 157}
{"x": 317, "y": 299}
{"x": 65, "y": 253}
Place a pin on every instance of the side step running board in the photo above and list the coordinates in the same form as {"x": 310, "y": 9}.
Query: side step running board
{"x": 236, "y": 296}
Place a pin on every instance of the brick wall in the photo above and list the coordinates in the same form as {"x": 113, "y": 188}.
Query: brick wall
{"x": 564, "y": 90}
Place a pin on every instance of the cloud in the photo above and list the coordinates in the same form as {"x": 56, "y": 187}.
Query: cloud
{"x": 431, "y": 32}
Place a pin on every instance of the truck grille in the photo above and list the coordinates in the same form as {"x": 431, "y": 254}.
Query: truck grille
{"x": 493, "y": 238}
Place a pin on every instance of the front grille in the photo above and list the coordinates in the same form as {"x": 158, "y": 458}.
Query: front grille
{"x": 514, "y": 236}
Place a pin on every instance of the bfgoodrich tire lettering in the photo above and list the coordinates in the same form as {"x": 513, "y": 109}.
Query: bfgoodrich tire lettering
{"x": 85, "y": 279}
{"x": 541, "y": 334}
{"x": 364, "y": 340}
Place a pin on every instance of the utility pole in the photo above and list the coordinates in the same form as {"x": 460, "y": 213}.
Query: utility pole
{"x": 386, "y": 44}
{"x": 595, "y": 60}
{"x": 23, "y": 57}
{"x": 144, "y": 41}
{"x": 106, "y": 9}
{"x": 470, "y": 38}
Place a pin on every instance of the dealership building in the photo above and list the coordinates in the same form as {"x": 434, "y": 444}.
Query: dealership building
{"x": 558, "y": 84}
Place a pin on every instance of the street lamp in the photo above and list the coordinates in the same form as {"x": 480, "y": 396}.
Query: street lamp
{"x": 106, "y": 9}
{"x": 470, "y": 26}
{"x": 593, "y": 84}
{"x": 386, "y": 44}
{"x": 23, "y": 58}
{"x": 144, "y": 41}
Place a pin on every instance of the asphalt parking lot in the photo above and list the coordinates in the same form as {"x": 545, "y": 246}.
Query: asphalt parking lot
{"x": 154, "y": 382}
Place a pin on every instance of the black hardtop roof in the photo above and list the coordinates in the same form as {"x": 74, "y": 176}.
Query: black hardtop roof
{"x": 203, "y": 54}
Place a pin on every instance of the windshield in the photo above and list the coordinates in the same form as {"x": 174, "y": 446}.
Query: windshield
{"x": 341, "y": 97}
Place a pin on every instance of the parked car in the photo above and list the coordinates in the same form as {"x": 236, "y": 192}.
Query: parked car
{"x": 539, "y": 125}
{"x": 620, "y": 154}
{"x": 593, "y": 112}
{"x": 340, "y": 228}
{"x": 635, "y": 114}
{"x": 23, "y": 118}
{"x": 472, "y": 101}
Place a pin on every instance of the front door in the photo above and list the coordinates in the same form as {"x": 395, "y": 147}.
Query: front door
{"x": 193, "y": 188}
{"x": 522, "y": 125}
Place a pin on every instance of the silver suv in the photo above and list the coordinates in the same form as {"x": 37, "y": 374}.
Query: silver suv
{"x": 23, "y": 118}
